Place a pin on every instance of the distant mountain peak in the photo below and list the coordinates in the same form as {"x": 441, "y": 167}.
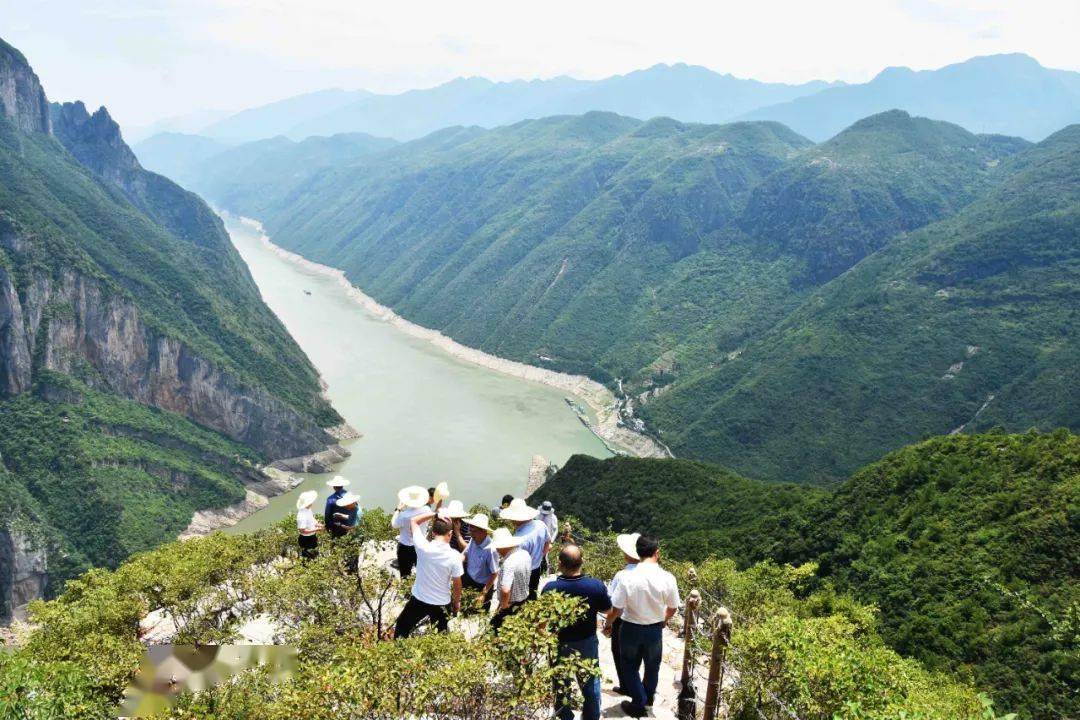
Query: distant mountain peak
{"x": 22, "y": 98}
{"x": 95, "y": 141}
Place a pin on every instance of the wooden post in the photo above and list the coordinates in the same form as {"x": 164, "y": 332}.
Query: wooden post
{"x": 721, "y": 640}
{"x": 687, "y": 694}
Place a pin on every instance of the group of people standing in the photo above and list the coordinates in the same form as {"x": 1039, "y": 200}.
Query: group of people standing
{"x": 450, "y": 549}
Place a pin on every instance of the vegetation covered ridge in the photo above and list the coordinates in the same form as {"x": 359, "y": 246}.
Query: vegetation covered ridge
{"x": 814, "y": 650}
{"x": 966, "y": 545}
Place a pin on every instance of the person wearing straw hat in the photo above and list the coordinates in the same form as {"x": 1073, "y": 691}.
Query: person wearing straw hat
{"x": 534, "y": 537}
{"x": 306, "y": 525}
{"x": 346, "y": 515}
{"x": 551, "y": 521}
{"x": 514, "y": 572}
{"x": 646, "y": 598}
{"x": 438, "y": 576}
{"x": 337, "y": 485}
{"x": 627, "y": 543}
{"x": 412, "y": 501}
{"x": 454, "y": 512}
{"x": 481, "y": 559}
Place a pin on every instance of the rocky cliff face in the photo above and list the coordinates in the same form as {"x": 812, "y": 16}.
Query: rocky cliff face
{"x": 78, "y": 325}
{"x": 23, "y": 572}
{"x": 22, "y": 99}
{"x": 96, "y": 142}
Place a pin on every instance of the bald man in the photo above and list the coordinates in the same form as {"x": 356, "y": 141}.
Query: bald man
{"x": 579, "y": 638}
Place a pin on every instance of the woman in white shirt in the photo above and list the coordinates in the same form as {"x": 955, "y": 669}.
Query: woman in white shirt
{"x": 307, "y": 526}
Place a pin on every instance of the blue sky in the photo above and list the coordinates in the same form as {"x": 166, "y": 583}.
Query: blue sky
{"x": 151, "y": 59}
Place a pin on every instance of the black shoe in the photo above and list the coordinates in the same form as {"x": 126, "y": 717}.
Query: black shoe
{"x": 632, "y": 709}
{"x": 620, "y": 690}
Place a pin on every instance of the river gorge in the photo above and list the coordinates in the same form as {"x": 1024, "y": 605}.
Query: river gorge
{"x": 424, "y": 414}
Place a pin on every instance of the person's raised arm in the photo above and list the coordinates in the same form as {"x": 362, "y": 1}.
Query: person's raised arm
{"x": 458, "y": 537}
{"x": 419, "y": 536}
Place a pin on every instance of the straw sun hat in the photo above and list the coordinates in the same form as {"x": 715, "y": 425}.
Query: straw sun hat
{"x": 442, "y": 491}
{"x": 337, "y": 481}
{"x": 413, "y": 496}
{"x": 502, "y": 539}
{"x": 306, "y": 499}
{"x": 518, "y": 511}
{"x": 628, "y": 544}
{"x": 455, "y": 509}
{"x": 480, "y": 520}
{"x": 347, "y": 499}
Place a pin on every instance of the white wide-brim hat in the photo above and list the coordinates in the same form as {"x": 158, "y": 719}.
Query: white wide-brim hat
{"x": 348, "y": 499}
{"x": 306, "y": 499}
{"x": 518, "y": 511}
{"x": 502, "y": 539}
{"x": 455, "y": 510}
{"x": 413, "y": 496}
{"x": 480, "y": 520}
{"x": 628, "y": 544}
{"x": 337, "y": 481}
{"x": 442, "y": 491}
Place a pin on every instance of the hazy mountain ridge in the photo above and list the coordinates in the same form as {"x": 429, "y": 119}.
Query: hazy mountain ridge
{"x": 1002, "y": 94}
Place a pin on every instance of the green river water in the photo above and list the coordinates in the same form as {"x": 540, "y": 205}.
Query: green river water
{"x": 425, "y": 416}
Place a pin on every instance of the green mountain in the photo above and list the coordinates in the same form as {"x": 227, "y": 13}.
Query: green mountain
{"x": 1009, "y": 94}
{"x": 141, "y": 376}
{"x": 967, "y": 545}
{"x": 967, "y": 323}
{"x": 678, "y": 259}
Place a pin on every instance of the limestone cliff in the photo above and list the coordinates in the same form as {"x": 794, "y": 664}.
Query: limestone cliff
{"x": 23, "y": 572}
{"x": 73, "y": 321}
{"x": 22, "y": 99}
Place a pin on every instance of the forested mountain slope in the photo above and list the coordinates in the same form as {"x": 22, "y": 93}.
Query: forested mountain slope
{"x": 966, "y": 544}
{"x": 654, "y": 253}
{"x": 981, "y": 309}
{"x": 141, "y": 376}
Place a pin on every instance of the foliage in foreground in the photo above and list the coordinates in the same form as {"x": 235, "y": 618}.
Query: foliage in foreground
{"x": 817, "y": 651}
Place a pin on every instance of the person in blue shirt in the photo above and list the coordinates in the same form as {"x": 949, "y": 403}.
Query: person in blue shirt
{"x": 579, "y": 638}
{"x": 534, "y": 537}
{"x": 481, "y": 560}
{"x": 337, "y": 486}
{"x": 346, "y": 515}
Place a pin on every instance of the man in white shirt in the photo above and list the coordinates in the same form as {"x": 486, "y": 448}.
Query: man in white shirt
{"x": 645, "y": 598}
{"x": 438, "y": 577}
{"x": 513, "y": 578}
{"x": 412, "y": 501}
{"x": 627, "y": 543}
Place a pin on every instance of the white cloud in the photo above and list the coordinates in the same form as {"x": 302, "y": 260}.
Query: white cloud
{"x": 153, "y": 58}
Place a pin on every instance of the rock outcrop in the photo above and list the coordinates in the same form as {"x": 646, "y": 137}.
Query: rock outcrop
{"x": 23, "y": 572}
{"x": 101, "y": 328}
{"x": 22, "y": 98}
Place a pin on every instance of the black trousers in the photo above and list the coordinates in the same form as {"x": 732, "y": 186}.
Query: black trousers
{"x": 534, "y": 581}
{"x": 619, "y": 672}
{"x": 309, "y": 546}
{"x": 406, "y": 559}
{"x": 500, "y": 617}
{"x": 415, "y": 611}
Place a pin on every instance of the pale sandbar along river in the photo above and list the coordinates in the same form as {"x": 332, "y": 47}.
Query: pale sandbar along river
{"x": 425, "y": 416}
